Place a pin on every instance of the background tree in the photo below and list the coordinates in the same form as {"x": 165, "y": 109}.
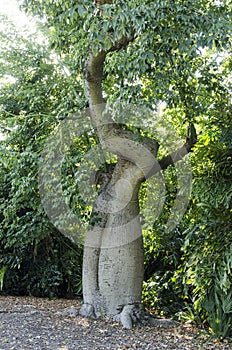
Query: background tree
{"x": 37, "y": 259}
{"x": 180, "y": 272}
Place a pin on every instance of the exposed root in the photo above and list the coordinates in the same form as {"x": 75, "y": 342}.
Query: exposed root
{"x": 135, "y": 314}
{"x": 161, "y": 322}
{"x": 87, "y": 310}
{"x": 131, "y": 315}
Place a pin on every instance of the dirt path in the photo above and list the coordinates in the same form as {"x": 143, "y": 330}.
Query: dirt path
{"x": 43, "y": 324}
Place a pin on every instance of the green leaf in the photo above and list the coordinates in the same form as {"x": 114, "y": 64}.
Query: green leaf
{"x": 81, "y": 10}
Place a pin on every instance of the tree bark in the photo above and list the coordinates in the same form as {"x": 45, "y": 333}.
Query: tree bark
{"x": 113, "y": 254}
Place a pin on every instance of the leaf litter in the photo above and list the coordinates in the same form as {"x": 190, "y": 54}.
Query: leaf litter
{"x": 44, "y": 324}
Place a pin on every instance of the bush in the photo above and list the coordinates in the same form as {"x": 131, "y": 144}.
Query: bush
{"x": 49, "y": 268}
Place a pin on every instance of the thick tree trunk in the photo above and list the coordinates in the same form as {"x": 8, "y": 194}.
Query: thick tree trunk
{"x": 113, "y": 254}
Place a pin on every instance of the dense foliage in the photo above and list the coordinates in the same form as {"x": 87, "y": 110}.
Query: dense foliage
{"x": 189, "y": 270}
{"x": 180, "y": 55}
{"x": 39, "y": 259}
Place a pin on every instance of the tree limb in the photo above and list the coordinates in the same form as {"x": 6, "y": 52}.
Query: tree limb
{"x": 174, "y": 157}
{"x": 112, "y": 136}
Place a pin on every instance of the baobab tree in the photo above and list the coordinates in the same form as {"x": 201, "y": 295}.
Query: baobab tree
{"x": 131, "y": 41}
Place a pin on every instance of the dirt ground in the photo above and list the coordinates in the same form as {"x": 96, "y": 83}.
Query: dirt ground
{"x": 43, "y": 324}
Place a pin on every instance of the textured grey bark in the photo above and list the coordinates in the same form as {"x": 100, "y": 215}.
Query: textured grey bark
{"x": 113, "y": 254}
